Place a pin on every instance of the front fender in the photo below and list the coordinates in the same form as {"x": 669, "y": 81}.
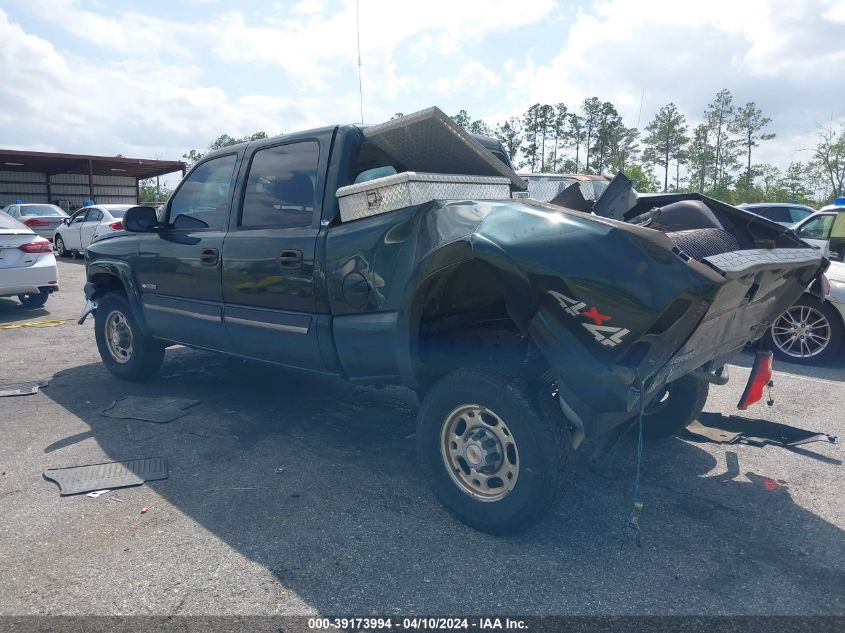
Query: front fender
{"x": 103, "y": 276}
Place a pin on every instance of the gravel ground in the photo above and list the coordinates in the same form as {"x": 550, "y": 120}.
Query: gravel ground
{"x": 348, "y": 527}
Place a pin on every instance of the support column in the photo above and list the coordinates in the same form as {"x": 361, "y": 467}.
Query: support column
{"x": 137, "y": 190}
{"x": 91, "y": 180}
{"x": 49, "y": 195}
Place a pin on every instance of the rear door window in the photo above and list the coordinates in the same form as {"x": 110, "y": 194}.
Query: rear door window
{"x": 279, "y": 190}
{"x": 817, "y": 228}
{"x": 775, "y": 214}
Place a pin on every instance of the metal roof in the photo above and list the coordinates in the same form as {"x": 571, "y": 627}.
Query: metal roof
{"x": 55, "y": 163}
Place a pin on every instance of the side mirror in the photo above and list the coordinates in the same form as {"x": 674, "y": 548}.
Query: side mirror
{"x": 140, "y": 219}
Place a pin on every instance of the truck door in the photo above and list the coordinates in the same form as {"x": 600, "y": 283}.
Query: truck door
{"x": 178, "y": 269}
{"x": 268, "y": 256}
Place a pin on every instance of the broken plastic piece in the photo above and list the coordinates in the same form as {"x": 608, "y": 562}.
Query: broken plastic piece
{"x": 760, "y": 379}
{"x": 22, "y": 388}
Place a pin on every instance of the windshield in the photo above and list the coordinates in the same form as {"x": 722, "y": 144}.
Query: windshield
{"x": 42, "y": 210}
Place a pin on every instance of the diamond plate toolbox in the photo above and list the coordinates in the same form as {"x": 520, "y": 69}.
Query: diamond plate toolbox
{"x": 411, "y": 188}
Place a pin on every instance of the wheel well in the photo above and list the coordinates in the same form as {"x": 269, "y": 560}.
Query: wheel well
{"x": 463, "y": 321}
{"x": 106, "y": 282}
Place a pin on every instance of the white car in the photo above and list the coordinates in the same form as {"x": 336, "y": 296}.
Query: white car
{"x": 76, "y": 233}
{"x": 27, "y": 264}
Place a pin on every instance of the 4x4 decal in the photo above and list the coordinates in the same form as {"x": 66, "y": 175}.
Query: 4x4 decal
{"x": 604, "y": 334}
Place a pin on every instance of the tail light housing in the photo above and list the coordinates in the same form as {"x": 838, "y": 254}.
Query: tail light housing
{"x": 34, "y": 222}
{"x": 116, "y": 226}
{"x": 38, "y": 246}
{"x": 760, "y": 378}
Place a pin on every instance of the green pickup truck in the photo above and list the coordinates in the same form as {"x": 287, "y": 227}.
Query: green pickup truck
{"x": 395, "y": 254}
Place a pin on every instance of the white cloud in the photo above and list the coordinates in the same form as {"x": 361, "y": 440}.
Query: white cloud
{"x": 473, "y": 76}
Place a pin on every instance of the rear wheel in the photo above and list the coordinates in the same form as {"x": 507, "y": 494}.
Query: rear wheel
{"x": 809, "y": 332}
{"x": 61, "y": 251}
{"x": 33, "y": 301}
{"x": 679, "y": 403}
{"x": 125, "y": 350}
{"x": 491, "y": 454}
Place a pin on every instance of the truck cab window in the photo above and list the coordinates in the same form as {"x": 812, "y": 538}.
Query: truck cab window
{"x": 280, "y": 187}
{"x": 373, "y": 163}
{"x": 202, "y": 202}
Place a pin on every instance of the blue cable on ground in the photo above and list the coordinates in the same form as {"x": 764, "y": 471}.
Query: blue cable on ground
{"x": 632, "y": 521}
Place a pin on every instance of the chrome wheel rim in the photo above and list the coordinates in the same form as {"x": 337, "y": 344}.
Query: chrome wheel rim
{"x": 60, "y": 246}
{"x": 118, "y": 337}
{"x": 479, "y": 452}
{"x": 801, "y": 332}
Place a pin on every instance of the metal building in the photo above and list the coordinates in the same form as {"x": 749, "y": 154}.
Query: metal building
{"x": 68, "y": 180}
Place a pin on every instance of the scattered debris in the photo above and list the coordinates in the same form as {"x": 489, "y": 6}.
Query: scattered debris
{"x": 78, "y": 479}
{"x": 733, "y": 429}
{"x": 278, "y": 471}
{"x": 40, "y": 323}
{"x": 98, "y": 493}
{"x": 22, "y": 388}
{"x": 159, "y": 409}
{"x": 144, "y": 510}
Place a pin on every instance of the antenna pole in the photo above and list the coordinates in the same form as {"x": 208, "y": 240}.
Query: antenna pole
{"x": 358, "y": 34}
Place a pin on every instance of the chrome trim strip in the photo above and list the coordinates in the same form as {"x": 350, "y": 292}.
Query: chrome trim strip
{"x": 187, "y": 313}
{"x": 296, "y": 329}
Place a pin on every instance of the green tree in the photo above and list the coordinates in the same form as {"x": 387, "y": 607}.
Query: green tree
{"x": 577, "y": 137}
{"x": 561, "y": 115}
{"x": 151, "y": 190}
{"x": 665, "y": 139}
{"x": 480, "y": 127}
{"x": 224, "y": 140}
{"x": 531, "y": 125}
{"x": 794, "y": 182}
{"x": 509, "y": 134}
{"x": 608, "y": 126}
{"x": 701, "y": 157}
{"x": 749, "y": 123}
{"x": 591, "y": 115}
{"x": 829, "y": 159}
{"x": 719, "y": 116}
{"x": 462, "y": 119}
{"x": 642, "y": 179}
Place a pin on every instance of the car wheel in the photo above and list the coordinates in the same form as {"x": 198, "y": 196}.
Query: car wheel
{"x": 809, "y": 332}
{"x": 679, "y": 403}
{"x": 59, "y": 244}
{"x": 125, "y": 350}
{"x": 491, "y": 455}
{"x": 34, "y": 300}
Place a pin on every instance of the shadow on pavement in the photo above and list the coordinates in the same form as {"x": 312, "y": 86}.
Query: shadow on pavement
{"x": 11, "y": 311}
{"x": 351, "y": 528}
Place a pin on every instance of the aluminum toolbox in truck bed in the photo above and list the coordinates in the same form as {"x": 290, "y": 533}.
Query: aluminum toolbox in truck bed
{"x": 430, "y": 141}
{"x": 411, "y": 188}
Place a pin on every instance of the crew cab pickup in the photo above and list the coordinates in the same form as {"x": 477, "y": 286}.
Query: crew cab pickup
{"x": 523, "y": 326}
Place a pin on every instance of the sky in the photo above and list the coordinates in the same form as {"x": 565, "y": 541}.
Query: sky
{"x": 153, "y": 79}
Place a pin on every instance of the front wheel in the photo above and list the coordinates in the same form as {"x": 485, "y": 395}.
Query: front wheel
{"x": 59, "y": 244}
{"x": 125, "y": 350}
{"x": 809, "y": 332}
{"x": 493, "y": 457}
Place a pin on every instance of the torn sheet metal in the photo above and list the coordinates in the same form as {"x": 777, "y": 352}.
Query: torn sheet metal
{"x": 37, "y": 324}
{"x": 75, "y": 480}
{"x": 22, "y": 388}
{"x": 733, "y": 429}
{"x": 430, "y": 141}
{"x": 160, "y": 409}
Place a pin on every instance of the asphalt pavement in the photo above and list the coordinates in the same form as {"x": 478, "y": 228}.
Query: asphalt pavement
{"x": 296, "y": 494}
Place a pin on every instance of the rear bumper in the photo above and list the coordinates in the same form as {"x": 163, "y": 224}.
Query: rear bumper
{"x": 42, "y": 275}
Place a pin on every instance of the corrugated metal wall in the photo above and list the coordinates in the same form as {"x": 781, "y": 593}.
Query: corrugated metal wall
{"x": 32, "y": 187}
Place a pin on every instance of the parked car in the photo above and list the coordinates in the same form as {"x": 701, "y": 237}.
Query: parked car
{"x": 826, "y": 231}
{"x": 41, "y": 218}
{"x": 76, "y": 233}
{"x": 27, "y": 265}
{"x": 837, "y": 206}
{"x": 524, "y": 327}
{"x": 544, "y": 187}
{"x": 785, "y": 213}
{"x": 812, "y": 330}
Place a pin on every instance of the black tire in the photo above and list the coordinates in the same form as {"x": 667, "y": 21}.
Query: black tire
{"x": 542, "y": 449}
{"x": 61, "y": 251}
{"x": 144, "y": 354}
{"x": 679, "y": 403}
{"x": 832, "y": 328}
{"x": 31, "y": 302}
